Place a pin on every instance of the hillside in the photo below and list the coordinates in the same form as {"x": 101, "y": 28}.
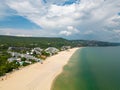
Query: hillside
{"x": 30, "y": 42}
{"x": 44, "y": 42}
{"x": 27, "y": 43}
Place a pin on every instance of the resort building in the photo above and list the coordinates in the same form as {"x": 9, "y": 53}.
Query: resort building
{"x": 52, "y": 50}
{"x": 65, "y": 48}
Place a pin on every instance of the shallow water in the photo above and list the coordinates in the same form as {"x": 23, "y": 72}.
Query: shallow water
{"x": 92, "y": 68}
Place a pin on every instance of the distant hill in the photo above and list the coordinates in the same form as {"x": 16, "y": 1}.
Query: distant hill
{"x": 44, "y": 42}
{"x": 93, "y": 43}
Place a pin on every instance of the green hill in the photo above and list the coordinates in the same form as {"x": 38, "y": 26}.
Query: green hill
{"x": 44, "y": 42}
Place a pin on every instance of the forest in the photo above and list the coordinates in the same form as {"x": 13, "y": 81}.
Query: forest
{"x": 42, "y": 42}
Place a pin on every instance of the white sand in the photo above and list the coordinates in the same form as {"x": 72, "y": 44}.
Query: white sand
{"x": 37, "y": 76}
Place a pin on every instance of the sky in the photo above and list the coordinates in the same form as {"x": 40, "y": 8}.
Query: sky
{"x": 70, "y": 19}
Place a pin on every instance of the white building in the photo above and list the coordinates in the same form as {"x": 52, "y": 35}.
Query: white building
{"x": 52, "y": 50}
{"x": 36, "y": 50}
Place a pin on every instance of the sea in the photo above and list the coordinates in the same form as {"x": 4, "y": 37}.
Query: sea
{"x": 91, "y": 68}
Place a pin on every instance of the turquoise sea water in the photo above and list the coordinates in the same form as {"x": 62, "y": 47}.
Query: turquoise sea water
{"x": 91, "y": 68}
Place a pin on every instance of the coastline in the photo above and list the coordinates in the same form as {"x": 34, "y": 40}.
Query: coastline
{"x": 62, "y": 70}
{"x": 38, "y": 76}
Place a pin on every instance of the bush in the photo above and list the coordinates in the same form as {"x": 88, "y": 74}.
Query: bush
{"x": 25, "y": 64}
{"x": 23, "y": 59}
{"x": 45, "y": 53}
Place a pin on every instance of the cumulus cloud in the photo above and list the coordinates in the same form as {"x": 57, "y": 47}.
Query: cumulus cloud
{"x": 69, "y": 31}
{"x": 83, "y": 17}
{"x": 24, "y": 32}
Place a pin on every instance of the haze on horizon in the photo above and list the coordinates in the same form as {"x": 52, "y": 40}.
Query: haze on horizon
{"x": 71, "y": 19}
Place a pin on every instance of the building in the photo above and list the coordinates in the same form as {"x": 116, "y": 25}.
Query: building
{"x": 12, "y": 59}
{"x": 17, "y": 48}
{"x": 65, "y": 48}
{"x": 36, "y": 50}
{"x": 52, "y": 50}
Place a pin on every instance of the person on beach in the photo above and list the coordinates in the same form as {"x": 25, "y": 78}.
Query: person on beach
{"x": 41, "y": 61}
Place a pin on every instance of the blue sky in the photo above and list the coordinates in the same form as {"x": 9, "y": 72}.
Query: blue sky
{"x": 71, "y": 19}
{"x": 17, "y": 22}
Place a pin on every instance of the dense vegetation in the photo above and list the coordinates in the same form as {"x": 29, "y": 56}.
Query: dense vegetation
{"x": 5, "y": 66}
{"x": 31, "y": 42}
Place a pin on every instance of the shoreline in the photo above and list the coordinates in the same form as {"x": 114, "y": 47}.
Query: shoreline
{"x": 60, "y": 71}
{"x": 52, "y": 84}
{"x": 38, "y": 76}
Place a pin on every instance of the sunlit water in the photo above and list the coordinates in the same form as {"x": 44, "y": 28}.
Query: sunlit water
{"x": 92, "y": 68}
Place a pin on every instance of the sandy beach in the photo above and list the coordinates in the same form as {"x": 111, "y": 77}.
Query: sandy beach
{"x": 37, "y": 76}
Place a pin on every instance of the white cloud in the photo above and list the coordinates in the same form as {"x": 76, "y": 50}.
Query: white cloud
{"x": 67, "y": 33}
{"x": 88, "y": 32}
{"x": 87, "y": 17}
{"x": 113, "y": 21}
{"x": 117, "y": 31}
{"x": 2, "y": 10}
{"x": 70, "y": 30}
{"x": 23, "y": 32}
